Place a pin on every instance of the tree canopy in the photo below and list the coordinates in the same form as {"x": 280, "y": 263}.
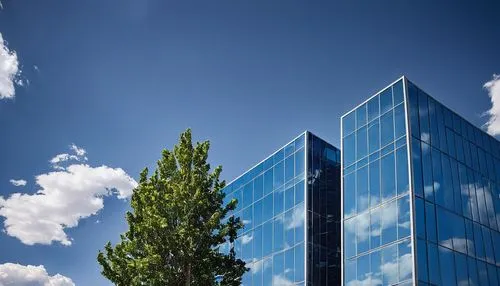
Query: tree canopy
{"x": 177, "y": 224}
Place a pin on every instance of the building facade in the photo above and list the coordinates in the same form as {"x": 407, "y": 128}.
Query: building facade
{"x": 420, "y": 199}
{"x": 290, "y": 206}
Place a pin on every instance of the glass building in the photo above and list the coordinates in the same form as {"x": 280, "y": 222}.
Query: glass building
{"x": 290, "y": 206}
{"x": 420, "y": 199}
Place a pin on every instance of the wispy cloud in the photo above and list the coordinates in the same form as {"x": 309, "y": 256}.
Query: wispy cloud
{"x": 18, "y": 183}
{"x": 66, "y": 196}
{"x": 78, "y": 155}
{"x": 9, "y": 70}
{"x": 493, "y": 88}
{"x": 17, "y": 274}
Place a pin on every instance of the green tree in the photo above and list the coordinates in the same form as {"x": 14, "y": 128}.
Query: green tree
{"x": 177, "y": 225}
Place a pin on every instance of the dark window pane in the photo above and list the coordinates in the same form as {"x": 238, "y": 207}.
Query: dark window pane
{"x": 461, "y": 266}
{"x": 413, "y": 105}
{"x": 385, "y": 100}
{"x": 349, "y": 149}
{"x": 417, "y": 167}
{"x": 430, "y": 222}
{"x": 349, "y": 194}
{"x": 433, "y": 264}
{"x": 423, "y": 112}
{"x": 420, "y": 217}
{"x": 447, "y": 266}
{"x": 397, "y": 91}
{"x": 422, "y": 260}
{"x": 427, "y": 172}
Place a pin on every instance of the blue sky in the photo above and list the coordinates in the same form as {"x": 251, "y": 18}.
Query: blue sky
{"x": 121, "y": 79}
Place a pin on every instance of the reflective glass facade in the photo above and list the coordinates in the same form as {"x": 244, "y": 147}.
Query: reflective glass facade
{"x": 421, "y": 196}
{"x": 290, "y": 206}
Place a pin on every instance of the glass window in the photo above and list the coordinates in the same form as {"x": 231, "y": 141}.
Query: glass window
{"x": 289, "y": 229}
{"x": 385, "y": 100}
{"x": 299, "y": 263}
{"x": 469, "y": 232}
{"x": 298, "y": 222}
{"x": 279, "y": 264}
{"x": 404, "y": 222}
{"x": 373, "y": 108}
{"x": 447, "y": 186}
{"x": 349, "y": 123}
{"x": 278, "y": 233}
{"x": 257, "y": 212}
{"x": 374, "y": 183}
{"x": 268, "y": 181}
{"x": 447, "y": 266}
{"x": 417, "y": 167}
{"x": 483, "y": 273}
{"x": 472, "y": 269}
{"x": 299, "y": 142}
{"x": 349, "y": 194}
{"x": 363, "y": 229}
{"x": 422, "y": 260}
{"x": 402, "y": 170}
{"x": 450, "y": 137}
{"x": 397, "y": 91}
{"x": 433, "y": 264}
{"x": 349, "y": 147}
{"x": 362, "y": 189}
{"x": 492, "y": 274}
{"x": 478, "y": 241}
{"x": 427, "y": 172}
{"x": 289, "y": 264}
{"x": 278, "y": 175}
{"x": 488, "y": 247}
{"x": 278, "y": 156}
{"x": 376, "y": 271}
{"x": 461, "y": 266}
{"x": 389, "y": 222}
{"x": 433, "y": 123}
{"x": 257, "y": 243}
{"x": 373, "y": 136}
{"x": 289, "y": 169}
{"x": 423, "y": 112}
{"x": 413, "y": 103}
{"x": 258, "y": 187}
{"x": 361, "y": 116}
{"x": 420, "y": 217}
{"x": 279, "y": 201}
{"x": 430, "y": 222}
{"x": 362, "y": 143}
{"x": 247, "y": 195}
{"x": 350, "y": 237}
{"x": 389, "y": 258}
{"x": 299, "y": 192}
{"x": 246, "y": 246}
{"x": 363, "y": 267}
{"x": 267, "y": 233}
{"x": 388, "y": 177}
{"x": 299, "y": 162}
{"x": 289, "y": 198}
{"x": 267, "y": 206}
{"x": 405, "y": 260}
{"x": 350, "y": 276}
{"x": 247, "y": 218}
{"x": 441, "y": 128}
{"x": 445, "y": 229}
{"x": 399, "y": 121}
{"x": 376, "y": 227}
{"x": 386, "y": 129}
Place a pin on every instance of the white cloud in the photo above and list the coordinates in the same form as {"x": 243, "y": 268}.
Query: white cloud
{"x": 9, "y": 70}
{"x": 493, "y": 88}
{"x": 78, "y": 155}
{"x": 18, "y": 183}
{"x": 65, "y": 196}
{"x": 78, "y": 151}
{"x": 21, "y": 275}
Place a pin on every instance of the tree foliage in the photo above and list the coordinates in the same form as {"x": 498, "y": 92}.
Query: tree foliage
{"x": 177, "y": 225}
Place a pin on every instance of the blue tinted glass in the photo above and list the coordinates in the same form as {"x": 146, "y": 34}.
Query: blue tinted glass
{"x": 397, "y": 91}
{"x": 461, "y": 266}
{"x": 279, "y": 201}
{"x": 268, "y": 181}
{"x": 447, "y": 186}
{"x": 363, "y": 267}
{"x": 348, "y": 123}
{"x": 413, "y": 104}
{"x": 349, "y": 149}
{"x": 278, "y": 156}
{"x": 299, "y": 142}
{"x": 447, "y": 266}
{"x": 423, "y": 112}
{"x": 433, "y": 264}
{"x": 389, "y": 222}
{"x": 362, "y": 189}
{"x": 299, "y": 192}
{"x": 488, "y": 247}
{"x": 299, "y": 263}
{"x": 469, "y": 230}
{"x": 478, "y": 241}
{"x": 389, "y": 257}
{"x": 492, "y": 275}
{"x": 279, "y": 241}
{"x": 404, "y": 221}
{"x": 362, "y": 143}
{"x": 246, "y": 246}
{"x": 420, "y": 217}
{"x": 437, "y": 175}
{"x": 247, "y": 195}
{"x": 430, "y": 222}
{"x": 402, "y": 170}
{"x": 405, "y": 260}
{"x": 483, "y": 273}
{"x": 299, "y": 162}
{"x": 258, "y": 187}
{"x": 350, "y": 237}
{"x": 376, "y": 227}
{"x": 450, "y": 137}
{"x": 385, "y": 100}
{"x": 399, "y": 121}
{"x": 388, "y": 177}
{"x": 361, "y": 116}
{"x": 289, "y": 264}
{"x": 267, "y": 233}
{"x": 278, "y": 175}
{"x": 375, "y": 266}
{"x": 427, "y": 172}
{"x": 267, "y": 207}
{"x": 373, "y": 136}
{"x": 422, "y": 260}
{"x": 374, "y": 173}
{"x": 279, "y": 264}
{"x": 289, "y": 168}
{"x": 417, "y": 167}
{"x": 472, "y": 269}
{"x": 257, "y": 243}
{"x": 289, "y": 198}
{"x": 350, "y": 272}
{"x": 362, "y": 229}
{"x": 257, "y": 212}
{"x": 289, "y": 149}
{"x": 349, "y": 194}
{"x": 386, "y": 129}
{"x": 373, "y": 108}
{"x": 441, "y": 128}
{"x": 298, "y": 222}
{"x": 247, "y": 218}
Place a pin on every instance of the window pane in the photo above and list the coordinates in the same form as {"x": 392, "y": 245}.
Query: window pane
{"x": 433, "y": 264}
{"x": 402, "y": 170}
{"x": 461, "y": 265}
{"x": 422, "y": 260}
{"x": 405, "y": 260}
{"x": 420, "y": 217}
{"x": 349, "y": 147}
{"x": 362, "y": 143}
{"x": 423, "y": 112}
{"x": 375, "y": 261}
{"x": 413, "y": 104}
{"x": 404, "y": 222}
{"x": 299, "y": 192}
{"x": 374, "y": 136}
{"x": 388, "y": 177}
{"x": 447, "y": 266}
{"x": 417, "y": 167}
{"x": 257, "y": 212}
{"x": 278, "y": 175}
{"x": 373, "y": 108}
{"x": 399, "y": 121}
{"x": 362, "y": 189}
{"x": 289, "y": 168}
{"x": 258, "y": 187}
{"x": 267, "y": 206}
{"x": 389, "y": 258}
{"x": 278, "y": 233}
{"x": 385, "y": 100}
{"x": 376, "y": 227}
{"x": 363, "y": 228}
{"x": 299, "y": 263}
{"x": 427, "y": 172}
{"x": 289, "y": 198}
{"x": 279, "y": 201}
{"x": 247, "y": 195}
{"x": 374, "y": 183}
{"x": 389, "y": 222}
{"x": 349, "y": 123}
{"x": 386, "y": 129}
{"x": 268, "y": 181}
{"x": 361, "y": 116}
{"x": 397, "y": 91}
{"x": 267, "y": 232}
{"x": 257, "y": 243}
{"x": 430, "y": 222}
{"x": 350, "y": 237}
